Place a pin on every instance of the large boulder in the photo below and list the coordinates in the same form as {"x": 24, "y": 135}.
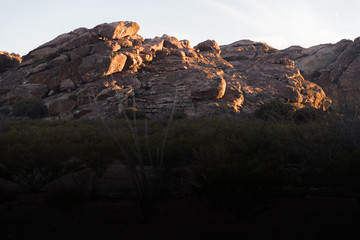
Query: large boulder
{"x": 67, "y": 85}
{"x": 117, "y": 30}
{"x": 99, "y": 65}
{"x": 154, "y": 44}
{"x": 86, "y": 68}
{"x": 173, "y": 42}
{"x": 21, "y": 92}
{"x": 211, "y": 89}
{"x": 81, "y": 55}
{"x": 208, "y": 45}
{"x": 61, "y": 106}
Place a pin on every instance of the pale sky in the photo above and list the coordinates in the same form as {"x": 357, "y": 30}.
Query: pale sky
{"x": 26, "y": 24}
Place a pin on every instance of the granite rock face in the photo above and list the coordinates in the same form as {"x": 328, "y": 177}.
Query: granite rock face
{"x": 96, "y": 73}
{"x": 335, "y": 68}
{"x": 265, "y": 74}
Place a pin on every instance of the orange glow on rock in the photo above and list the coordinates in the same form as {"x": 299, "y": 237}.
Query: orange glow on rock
{"x": 113, "y": 85}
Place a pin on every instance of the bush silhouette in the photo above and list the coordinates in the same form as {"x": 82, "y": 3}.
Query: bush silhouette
{"x": 179, "y": 115}
{"x": 308, "y": 114}
{"x": 275, "y": 110}
{"x": 32, "y": 108}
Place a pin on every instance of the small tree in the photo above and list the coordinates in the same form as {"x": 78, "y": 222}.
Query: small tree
{"x": 308, "y": 114}
{"x": 275, "y": 110}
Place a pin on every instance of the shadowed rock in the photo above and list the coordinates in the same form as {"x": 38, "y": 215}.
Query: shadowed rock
{"x": 334, "y": 67}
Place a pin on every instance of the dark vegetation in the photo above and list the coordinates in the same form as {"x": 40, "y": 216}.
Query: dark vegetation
{"x": 313, "y": 147}
{"x": 275, "y": 110}
{"x": 237, "y": 164}
{"x": 32, "y": 107}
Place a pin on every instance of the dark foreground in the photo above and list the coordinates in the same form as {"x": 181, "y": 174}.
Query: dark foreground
{"x": 295, "y": 178}
{"x": 285, "y": 217}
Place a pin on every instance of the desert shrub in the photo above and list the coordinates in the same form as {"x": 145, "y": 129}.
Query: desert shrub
{"x": 286, "y": 152}
{"x": 179, "y": 115}
{"x": 236, "y": 163}
{"x": 275, "y": 110}
{"x": 343, "y": 171}
{"x": 242, "y": 185}
{"x": 97, "y": 153}
{"x": 32, "y": 108}
{"x": 246, "y": 154}
{"x": 32, "y": 155}
{"x": 308, "y": 114}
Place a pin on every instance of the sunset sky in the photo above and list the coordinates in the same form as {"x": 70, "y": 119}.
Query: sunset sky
{"x": 27, "y": 24}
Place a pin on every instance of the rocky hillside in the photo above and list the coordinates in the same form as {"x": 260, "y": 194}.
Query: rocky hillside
{"x": 93, "y": 73}
{"x": 334, "y": 67}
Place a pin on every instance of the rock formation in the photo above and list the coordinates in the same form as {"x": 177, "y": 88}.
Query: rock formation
{"x": 94, "y": 73}
{"x": 265, "y": 74}
{"x": 334, "y": 67}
